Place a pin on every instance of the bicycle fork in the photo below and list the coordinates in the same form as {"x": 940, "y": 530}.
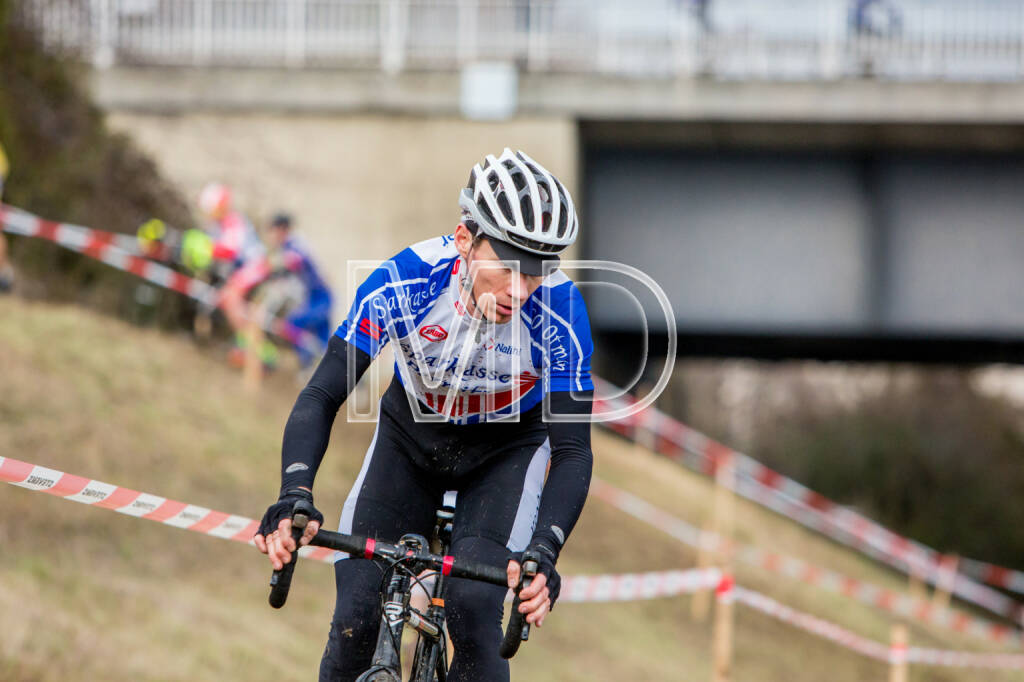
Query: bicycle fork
{"x": 387, "y": 655}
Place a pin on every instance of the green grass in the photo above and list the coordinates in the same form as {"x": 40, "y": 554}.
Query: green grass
{"x": 86, "y": 594}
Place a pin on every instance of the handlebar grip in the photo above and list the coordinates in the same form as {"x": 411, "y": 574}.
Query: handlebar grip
{"x": 518, "y": 630}
{"x": 477, "y": 571}
{"x": 281, "y": 581}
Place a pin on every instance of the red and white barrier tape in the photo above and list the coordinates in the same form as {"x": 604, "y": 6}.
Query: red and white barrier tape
{"x": 812, "y": 624}
{"x": 120, "y": 251}
{"x": 637, "y": 586}
{"x": 870, "y": 648}
{"x": 671, "y": 438}
{"x": 577, "y": 589}
{"x": 107, "y": 247}
{"x": 964, "y": 659}
{"x": 582, "y": 588}
{"x": 797, "y": 569}
{"x": 138, "y": 504}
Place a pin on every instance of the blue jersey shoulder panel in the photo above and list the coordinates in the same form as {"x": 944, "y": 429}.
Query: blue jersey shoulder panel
{"x": 397, "y": 294}
{"x": 560, "y": 333}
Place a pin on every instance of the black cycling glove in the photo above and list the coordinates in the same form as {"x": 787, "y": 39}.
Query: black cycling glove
{"x": 282, "y": 509}
{"x": 545, "y": 565}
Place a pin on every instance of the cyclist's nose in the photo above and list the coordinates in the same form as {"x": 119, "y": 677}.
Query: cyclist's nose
{"x": 518, "y": 288}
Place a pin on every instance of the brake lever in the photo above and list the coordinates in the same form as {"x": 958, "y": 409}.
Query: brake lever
{"x": 518, "y": 630}
{"x": 281, "y": 581}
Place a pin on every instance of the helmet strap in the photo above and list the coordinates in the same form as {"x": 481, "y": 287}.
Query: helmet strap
{"x": 467, "y": 284}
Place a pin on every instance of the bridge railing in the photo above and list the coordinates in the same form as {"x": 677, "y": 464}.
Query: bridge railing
{"x": 742, "y": 39}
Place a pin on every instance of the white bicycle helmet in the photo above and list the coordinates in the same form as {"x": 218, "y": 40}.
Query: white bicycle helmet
{"x": 215, "y": 200}
{"x": 514, "y": 199}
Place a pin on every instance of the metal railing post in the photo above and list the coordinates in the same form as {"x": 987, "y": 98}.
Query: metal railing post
{"x": 295, "y": 46}
{"x": 832, "y": 16}
{"x": 538, "y": 33}
{"x": 468, "y": 28}
{"x": 1019, "y": 37}
{"x": 684, "y": 44}
{"x": 202, "y": 31}
{"x": 392, "y": 44}
{"x": 103, "y": 33}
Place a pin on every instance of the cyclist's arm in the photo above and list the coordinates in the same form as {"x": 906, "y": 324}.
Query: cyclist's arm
{"x": 309, "y": 426}
{"x": 568, "y": 481}
{"x": 562, "y": 499}
{"x": 359, "y": 339}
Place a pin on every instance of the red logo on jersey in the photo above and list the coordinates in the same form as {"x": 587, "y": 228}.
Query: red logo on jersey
{"x": 369, "y": 328}
{"x": 433, "y": 332}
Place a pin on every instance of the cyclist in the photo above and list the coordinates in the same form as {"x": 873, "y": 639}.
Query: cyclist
{"x": 491, "y": 342}
{"x": 234, "y": 240}
{"x": 303, "y": 290}
{"x": 225, "y": 243}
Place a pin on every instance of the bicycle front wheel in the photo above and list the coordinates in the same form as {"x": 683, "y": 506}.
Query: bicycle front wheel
{"x": 382, "y": 677}
{"x": 378, "y": 676}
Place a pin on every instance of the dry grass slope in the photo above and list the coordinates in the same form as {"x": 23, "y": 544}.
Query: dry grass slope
{"x": 90, "y": 595}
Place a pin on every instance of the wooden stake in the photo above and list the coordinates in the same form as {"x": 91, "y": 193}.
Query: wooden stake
{"x": 202, "y": 324}
{"x": 898, "y": 653}
{"x": 725, "y": 506}
{"x": 945, "y": 581}
{"x": 716, "y": 538}
{"x": 700, "y": 603}
{"x": 916, "y": 585}
{"x": 252, "y": 373}
{"x": 722, "y": 638}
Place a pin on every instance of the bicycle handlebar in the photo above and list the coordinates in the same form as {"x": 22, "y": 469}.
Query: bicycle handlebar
{"x": 281, "y": 580}
{"x": 447, "y": 565}
{"x": 518, "y": 629}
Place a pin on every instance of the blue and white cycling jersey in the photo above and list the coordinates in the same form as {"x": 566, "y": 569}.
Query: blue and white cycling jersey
{"x": 466, "y": 369}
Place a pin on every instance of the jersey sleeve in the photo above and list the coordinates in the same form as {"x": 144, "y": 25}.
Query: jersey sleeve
{"x": 385, "y": 304}
{"x": 565, "y": 341}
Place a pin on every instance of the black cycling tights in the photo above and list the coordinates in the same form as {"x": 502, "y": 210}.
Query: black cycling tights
{"x": 473, "y": 611}
{"x": 495, "y": 510}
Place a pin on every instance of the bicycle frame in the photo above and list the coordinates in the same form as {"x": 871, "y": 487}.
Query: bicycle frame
{"x": 430, "y": 662}
{"x": 407, "y": 559}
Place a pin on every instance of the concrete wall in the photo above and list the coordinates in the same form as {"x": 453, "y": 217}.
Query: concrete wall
{"x": 582, "y": 96}
{"x": 360, "y": 186}
{"x": 878, "y": 244}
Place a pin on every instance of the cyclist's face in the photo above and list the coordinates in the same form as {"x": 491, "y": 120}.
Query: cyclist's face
{"x": 499, "y": 291}
{"x": 277, "y": 236}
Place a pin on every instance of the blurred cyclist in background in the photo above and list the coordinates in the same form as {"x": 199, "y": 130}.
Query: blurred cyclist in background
{"x": 235, "y": 241}
{"x": 287, "y": 283}
{"x": 225, "y": 243}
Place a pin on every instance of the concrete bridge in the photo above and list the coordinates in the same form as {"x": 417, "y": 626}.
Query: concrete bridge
{"x": 848, "y": 207}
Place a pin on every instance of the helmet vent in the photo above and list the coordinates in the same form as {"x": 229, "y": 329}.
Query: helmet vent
{"x": 526, "y": 206}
